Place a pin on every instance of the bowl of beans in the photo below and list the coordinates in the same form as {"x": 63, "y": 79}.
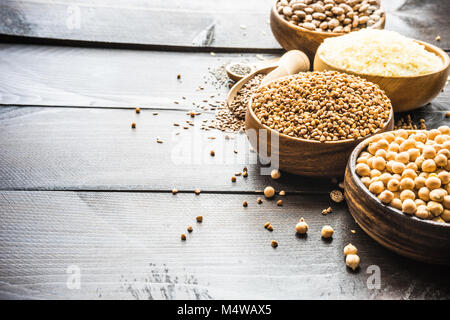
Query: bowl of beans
{"x": 304, "y": 24}
{"x": 311, "y": 121}
{"x": 397, "y": 187}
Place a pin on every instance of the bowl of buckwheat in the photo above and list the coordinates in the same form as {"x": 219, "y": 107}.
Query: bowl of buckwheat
{"x": 311, "y": 121}
{"x": 304, "y": 24}
{"x": 397, "y": 187}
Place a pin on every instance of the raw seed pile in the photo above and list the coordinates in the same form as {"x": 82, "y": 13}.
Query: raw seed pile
{"x": 322, "y": 106}
{"x": 408, "y": 124}
{"x": 232, "y": 117}
{"x": 409, "y": 170}
{"x": 339, "y": 16}
{"x": 240, "y": 69}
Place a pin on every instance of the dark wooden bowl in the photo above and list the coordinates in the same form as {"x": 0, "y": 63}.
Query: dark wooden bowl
{"x": 301, "y": 156}
{"x": 398, "y": 89}
{"x": 423, "y": 240}
{"x": 291, "y": 37}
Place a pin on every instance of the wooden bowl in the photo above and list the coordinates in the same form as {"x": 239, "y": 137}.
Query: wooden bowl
{"x": 301, "y": 156}
{"x": 409, "y": 236}
{"x": 291, "y": 37}
{"x": 408, "y": 92}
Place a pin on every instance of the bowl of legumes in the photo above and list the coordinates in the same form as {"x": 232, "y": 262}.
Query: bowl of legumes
{"x": 399, "y": 65}
{"x": 397, "y": 187}
{"x": 304, "y": 24}
{"x": 311, "y": 121}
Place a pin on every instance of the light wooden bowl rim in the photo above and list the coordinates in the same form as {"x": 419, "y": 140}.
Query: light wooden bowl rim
{"x": 343, "y": 142}
{"x": 436, "y": 50}
{"x": 290, "y": 25}
{"x": 390, "y": 210}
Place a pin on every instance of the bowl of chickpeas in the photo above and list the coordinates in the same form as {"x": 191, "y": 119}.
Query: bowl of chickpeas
{"x": 397, "y": 186}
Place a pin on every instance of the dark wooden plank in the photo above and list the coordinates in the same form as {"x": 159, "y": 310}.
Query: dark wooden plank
{"x": 95, "y": 149}
{"x": 213, "y": 24}
{"x": 127, "y": 245}
{"x": 41, "y": 75}
{"x": 83, "y": 148}
{"x": 422, "y": 20}
{"x": 220, "y": 23}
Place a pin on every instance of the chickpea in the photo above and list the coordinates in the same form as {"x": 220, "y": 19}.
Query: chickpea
{"x": 386, "y": 196}
{"x": 389, "y": 165}
{"x": 433, "y": 133}
{"x": 382, "y": 144}
{"x": 376, "y": 187}
{"x": 424, "y": 175}
{"x": 440, "y": 139}
{"x": 369, "y": 162}
{"x": 446, "y": 145}
{"x": 435, "y": 208}
{"x": 407, "y": 184}
{"x": 445, "y": 152}
{"x": 327, "y": 232}
{"x": 420, "y": 137}
{"x": 381, "y": 153}
{"x": 432, "y": 182}
{"x": 396, "y": 203}
{"x": 429, "y": 165}
{"x": 422, "y": 212}
{"x": 352, "y": 261}
{"x": 393, "y": 147}
{"x": 301, "y": 227}
{"x": 388, "y": 136}
{"x": 385, "y": 177}
{"x": 419, "y": 161}
{"x": 393, "y": 185}
{"x": 269, "y": 192}
{"x": 375, "y": 173}
{"x": 379, "y": 163}
{"x": 372, "y": 148}
{"x": 438, "y": 195}
{"x": 413, "y": 153}
{"x": 441, "y": 160}
{"x": 398, "y": 167}
{"x": 444, "y": 176}
{"x": 424, "y": 194}
{"x": 419, "y": 182}
{"x": 407, "y": 144}
{"x": 412, "y": 166}
{"x": 444, "y": 129}
{"x": 401, "y": 133}
{"x": 409, "y": 173}
{"x": 419, "y": 202}
{"x": 366, "y": 181}
{"x": 402, "y": 157}
{"x": 350, "y": 249}
{"x": 362, "y": 160}
{"x": 399, "y": 141}
{"x": 407, "y": 194}
{"x": 446, "y": 202}
{"x": 447, "y": 188}
{"x": 275, "y": 174}
{"x": 409, "y": 207}
{"x": 428, "y": 152}
{"x": 362, "y": 169}
{"x": 390, "y": 155}
{"x": 445, "y": 215}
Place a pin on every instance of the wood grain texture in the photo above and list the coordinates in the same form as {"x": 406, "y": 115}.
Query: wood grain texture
{"x": 425, "y": 87}
{"x": 426, "y": 241}
{"x": 199, "y": 24}
{"x": 127, "y": 246}
{"x": 79, "y": 148}
{"x": 41, "y": 75}
{"x": 219, "y": 23}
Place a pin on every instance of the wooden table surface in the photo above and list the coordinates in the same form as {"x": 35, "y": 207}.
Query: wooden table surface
{"x": 80, "y": 190}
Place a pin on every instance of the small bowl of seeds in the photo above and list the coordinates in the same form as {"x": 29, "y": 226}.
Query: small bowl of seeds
{"x": 304, "y": 24}
{"x": 397, "y": 187}
{"x": 311, "y": 121}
